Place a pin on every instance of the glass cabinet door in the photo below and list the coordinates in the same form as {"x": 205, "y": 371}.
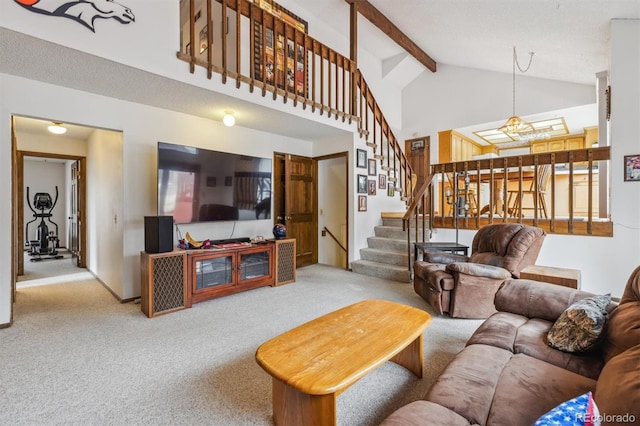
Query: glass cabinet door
{"x": 255, "y": 265}
{"x": 213, "y": 272}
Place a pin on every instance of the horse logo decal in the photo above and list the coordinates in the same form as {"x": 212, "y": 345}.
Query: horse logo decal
{"x": 83, "y": 11}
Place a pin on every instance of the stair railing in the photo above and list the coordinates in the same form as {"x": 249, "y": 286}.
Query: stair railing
{"x": 379, "y": 136}
{"x": 419, "y": 212}
{"x": 343, "y": 248}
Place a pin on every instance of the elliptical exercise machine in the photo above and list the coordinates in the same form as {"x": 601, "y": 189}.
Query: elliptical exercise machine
{"x": 46, "y": 242}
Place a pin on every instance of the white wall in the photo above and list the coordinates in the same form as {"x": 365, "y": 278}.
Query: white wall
{"x": 605, "y": 262}
{"x": 105, "y": 209}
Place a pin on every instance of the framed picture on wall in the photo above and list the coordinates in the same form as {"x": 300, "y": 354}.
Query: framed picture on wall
{"x": 371, "y": 188}
{"x": 362, "y": 184}
{"x": 382, "y": 181}
{"x": 372, "y": 167}
{"x": 391, "y": 191}
{"x": 361, "y": 160}
{"x": 362, "y": 203}
{"x": 632, "y": 168}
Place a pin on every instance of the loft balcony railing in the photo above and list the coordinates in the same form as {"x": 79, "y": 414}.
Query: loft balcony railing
{"x": 241, "y": 41}
{"x": 557, "y": 191}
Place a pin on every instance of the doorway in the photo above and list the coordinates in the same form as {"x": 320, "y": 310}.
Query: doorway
{"x": 67, "y": 204}
{"x": 48, "y": 191}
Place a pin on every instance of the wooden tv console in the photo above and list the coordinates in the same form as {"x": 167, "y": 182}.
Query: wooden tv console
{"x": 173, "y": 281}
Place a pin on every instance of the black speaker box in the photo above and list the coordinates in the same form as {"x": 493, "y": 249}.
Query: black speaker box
{"x": 158, "y": 234}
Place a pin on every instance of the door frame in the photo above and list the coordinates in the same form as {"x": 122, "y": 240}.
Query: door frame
{"x": 19, "y": 200}
{"x": 345, "y": 155}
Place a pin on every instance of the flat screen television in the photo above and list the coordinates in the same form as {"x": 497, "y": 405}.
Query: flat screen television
{"x": 200, "y": 185}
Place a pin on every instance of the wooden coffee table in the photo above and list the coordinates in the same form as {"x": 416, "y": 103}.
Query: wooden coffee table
{"x": 314, "y": 363}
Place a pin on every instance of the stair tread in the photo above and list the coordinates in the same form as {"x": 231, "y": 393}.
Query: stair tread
{"x": 384, "y": 251}
{"x": 380, "y": 265}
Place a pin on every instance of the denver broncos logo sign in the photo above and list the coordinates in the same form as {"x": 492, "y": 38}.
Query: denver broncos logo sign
{"x": 83, "y": 11}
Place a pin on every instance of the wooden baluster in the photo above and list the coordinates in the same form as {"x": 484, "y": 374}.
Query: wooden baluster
{"x": 313, "y": 75}
{"x": 263, "y": 57}
{"x": 252, "y": 47}
{"x": 552, "y": 225}
{"x": 275, "y": 58}
{"x": 571, "y": 197}
{"x": 305, "y": 75}
{"x": 337, "y": 85}
{"x": 590, "y": 193}
{"x": 192, "y": 35}
{"x": 344, "y": 87}
{"x": 224, "y": 29}
{"x": 209, "y": 41}
{"x": 238, "y": 40}
{"x": 329, "y": 85}
{"x": 295, "y": 67}
{"x": 285, "y": 65}
{"x": 322, "y": 80}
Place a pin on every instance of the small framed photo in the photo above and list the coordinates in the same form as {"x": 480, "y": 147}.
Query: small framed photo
{"x": 391, "y": 190}
{"x": 382, "y": 181}
{"x": 372, "y": 167}
{"x": 228, "y": 180}
{"x": 362, "y": 203}
{"x": 371, "y": 188}
{"x": 362, "y": 184}
{"x": 361, "y": 160}
{"x": 632, "y": 168}
{"x": 211, "y": 181}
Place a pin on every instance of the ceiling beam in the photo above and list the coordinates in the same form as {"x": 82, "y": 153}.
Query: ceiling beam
{"x": 376, "y": 17}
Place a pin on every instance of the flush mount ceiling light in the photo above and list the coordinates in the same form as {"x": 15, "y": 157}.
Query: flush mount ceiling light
{"x": 57, "y": 128}
{"x": 516, "y": 126}
{"x": 228, "y": 119}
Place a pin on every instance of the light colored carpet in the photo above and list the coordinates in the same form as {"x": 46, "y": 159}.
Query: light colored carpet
{"x": 75, "y": 356}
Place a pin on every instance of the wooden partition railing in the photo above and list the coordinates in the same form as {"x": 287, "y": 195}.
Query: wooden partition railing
{"x": 568, "y": 202}
{"x": 250, "y": 45}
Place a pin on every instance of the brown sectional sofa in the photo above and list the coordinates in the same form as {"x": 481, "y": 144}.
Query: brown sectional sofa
{"x": 508, "y": 375}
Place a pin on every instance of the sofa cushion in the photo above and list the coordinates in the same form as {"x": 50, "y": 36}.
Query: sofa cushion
{"x": 580, "y": 327}
{"x": 424, "y": 413}
{"x": 519, "y": 334}
{"x": 623, "y": 329}
{"x": 534, "y": 387}
{"x": 468, "y": 383}
{"x": 578, "y": 411}
{"x": 535, "y": 299}
{"x": 618, "y": 389}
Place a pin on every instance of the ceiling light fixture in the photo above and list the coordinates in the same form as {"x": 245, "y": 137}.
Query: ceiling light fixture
{"x": 228, "y": 119}
{"x": 516, "y": 126}
{"x": 57, "y": 128}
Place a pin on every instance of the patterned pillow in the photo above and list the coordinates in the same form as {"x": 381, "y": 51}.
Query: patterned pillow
{"x": 580, "y": 326}
{"x": 579, "y": 411}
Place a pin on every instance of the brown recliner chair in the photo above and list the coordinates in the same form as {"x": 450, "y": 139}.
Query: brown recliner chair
{"x": 464, "y": 287}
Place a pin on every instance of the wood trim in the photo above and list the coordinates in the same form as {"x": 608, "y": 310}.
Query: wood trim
{"x": 376, "y": 17}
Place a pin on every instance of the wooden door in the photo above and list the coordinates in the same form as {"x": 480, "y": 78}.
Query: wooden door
{"x": 417, "y": 153}
{"x": 296, "y": 204}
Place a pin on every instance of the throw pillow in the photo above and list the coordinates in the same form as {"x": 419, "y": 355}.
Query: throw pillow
{"x": 580, "y": 326}
{"x": 579, "y": 411}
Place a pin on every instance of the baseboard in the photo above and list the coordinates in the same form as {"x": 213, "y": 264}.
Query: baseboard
{"x": 118, "y": 298}
{"x": 5, "y": 325}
